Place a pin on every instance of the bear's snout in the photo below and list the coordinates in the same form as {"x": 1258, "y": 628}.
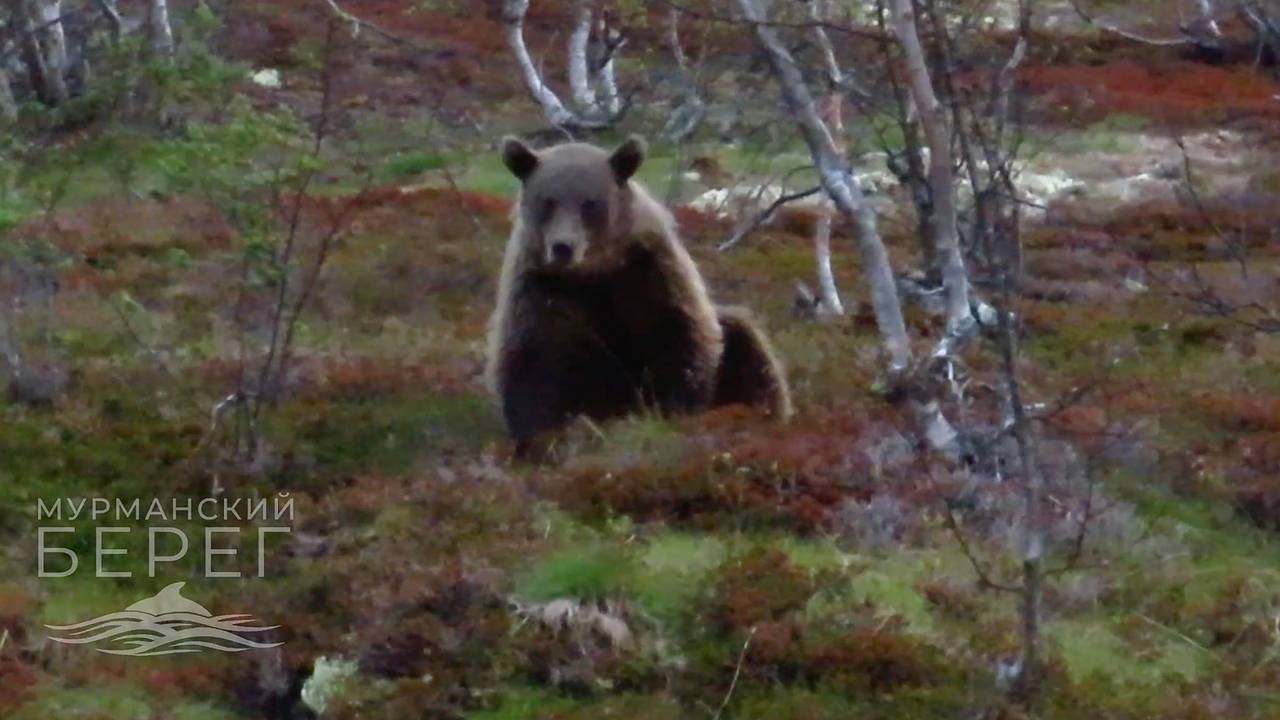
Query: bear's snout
{"x": 561, "y": 253}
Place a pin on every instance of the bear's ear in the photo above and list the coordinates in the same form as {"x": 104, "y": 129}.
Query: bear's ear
{"x": 627, "y": 158}
{"x": 518, "y": 158}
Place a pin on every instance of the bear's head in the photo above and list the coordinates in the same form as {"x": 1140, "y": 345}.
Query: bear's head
{"x": 575, "y": 201}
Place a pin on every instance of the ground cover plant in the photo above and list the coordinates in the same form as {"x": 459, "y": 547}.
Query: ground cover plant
{"x": 248, "y": 251}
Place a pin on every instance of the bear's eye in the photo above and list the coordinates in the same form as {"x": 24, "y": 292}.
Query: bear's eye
{"x": 591, "y": 211}
{"x": 546, "y": 209}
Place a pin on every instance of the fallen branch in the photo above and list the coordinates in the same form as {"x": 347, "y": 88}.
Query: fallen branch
{"x": 1128, "y": 35}
{"x": 737, "y": 671}
{"x": 764, "y": 216}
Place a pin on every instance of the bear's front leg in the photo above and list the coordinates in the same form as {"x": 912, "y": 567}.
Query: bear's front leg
{"x": 661, "y": 322}
{"x": 532, "y": 401}
{"x": 557, "y": 369}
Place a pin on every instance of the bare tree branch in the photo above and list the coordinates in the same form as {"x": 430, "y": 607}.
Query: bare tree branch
{"x": 764, "y": 216}
{"x": 818, "y": 17}
{"x": 1111, "y": 28}
{"x": 555, "y": 112}
{"x": 941, "y": 179}
{"x": 833, "y": 171}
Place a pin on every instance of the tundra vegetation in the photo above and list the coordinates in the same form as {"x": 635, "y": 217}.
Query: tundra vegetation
{"x": 1021, "y": 260}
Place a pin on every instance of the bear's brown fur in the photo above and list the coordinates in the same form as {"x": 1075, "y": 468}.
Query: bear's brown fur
{"x": 602, "y": 312}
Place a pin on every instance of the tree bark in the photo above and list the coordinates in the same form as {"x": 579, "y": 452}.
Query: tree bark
{"x": 111, "y": 11}
{"x": 837, "y": 181}
{"x": 691, "y": 111}
{"x": 581, "y": 88}
{"x": 8, "y": 106}
{"x": 610, "y": 102}
{"x": 933, "y": 121}
{"x": 1032, "y": 496}
{"x": 1204, "y": 27}
{"x": 159, "y": 32}
{"x": 831, "y": 112}
{"x": 44, "y": 49}
{"x": 673, "y": 39}
{"x": 513, "y": 13}
{"x": 49, "y": 17}
{"x": 817, "y": 16}
{"x": 828, "y": 293}
{"x": 910, "y": 170}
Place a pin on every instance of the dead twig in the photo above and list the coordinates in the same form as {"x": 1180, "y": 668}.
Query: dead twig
{"x": 737, "y": 671}
{"x": 764, "y": 216}
{"x": 1128, "y": 35}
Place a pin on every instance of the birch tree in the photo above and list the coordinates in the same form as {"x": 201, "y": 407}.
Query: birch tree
{"x": 833, "y": 115}
{"x": 585, "y": 78}
{"x": 47, "y": 16}
{"x": 44, "y": 48}
{"x": 608, "y": 42}
{"x": 692, "y": 110}
{"x": 933, "y": 120}
{"x": 580, "y": 86}
{"x": 834, "y": 174}
{"x": 8, "y": 106}
{"x": 110, "y": 10}
{"x": 159, "y": 32}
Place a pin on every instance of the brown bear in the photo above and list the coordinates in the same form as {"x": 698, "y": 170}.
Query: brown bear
{"x": 601, "y": 311}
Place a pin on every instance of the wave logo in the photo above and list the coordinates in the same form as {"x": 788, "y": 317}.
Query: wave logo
{"x": 164, "y": 624}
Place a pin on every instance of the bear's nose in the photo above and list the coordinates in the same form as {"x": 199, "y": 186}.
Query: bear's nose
{"x": 562, "y": 253}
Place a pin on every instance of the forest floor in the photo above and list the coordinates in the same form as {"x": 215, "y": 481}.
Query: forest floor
{"x": 699, "y": 567}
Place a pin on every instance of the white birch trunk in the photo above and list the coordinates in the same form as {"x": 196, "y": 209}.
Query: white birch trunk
{"x": 8, "y": 106}
{"x": 54, "y": 37}
{"x": 1033, "y": 539}
{"x": 581, "y": 87}
{"x": 606, "y": 82}
{"x": 691, "y": 111}
{"x": 818, "y": 15}
{"x": 8, "y": 344}
{"x": 828, "y": 294}
{"x": 611, "y": 101}
{"x": 837, "y": 181}
{"x": 831, "y": 113}
{"x": 111, "y": 11}
{"x": 44, "y": 49}
{"x": 933, "y": 122}
{"x": 673, "y": 38}
{"x": 513, "y": 12}
{"x": 1206, "y": 22}
{"x": 159, "y": 32}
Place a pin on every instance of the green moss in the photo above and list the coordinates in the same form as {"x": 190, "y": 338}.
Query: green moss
{"x": 674, "y": 575}
{"x": 895, "y": 594}
{"x": 538, "y": 704}
{"x": 811, "y": 555}
{"x": 406, "y": 165}
{"x": 588, "y": 572}
{"x": 656, "y": 439}
{"x": 383, "y": 434}
{"x": 1092, "y": 649}
{"x": 796, "y": 704}
{"x": 83, "y": 596}
{"x": 524, "y": 704}
{"x": 109, "y": 702}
